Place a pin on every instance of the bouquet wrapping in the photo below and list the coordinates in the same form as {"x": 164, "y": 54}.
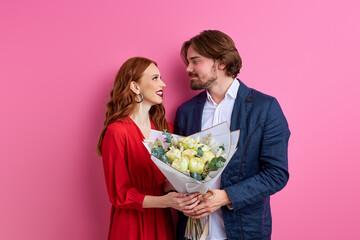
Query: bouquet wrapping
{"x": 181, "y": 180}
{"x": 192, "y": 164}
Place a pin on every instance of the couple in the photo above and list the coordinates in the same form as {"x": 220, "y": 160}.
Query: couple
{"x": 138, "y": 191}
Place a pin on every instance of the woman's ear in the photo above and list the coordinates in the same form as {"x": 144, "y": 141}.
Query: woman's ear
{"x": 134, "y": 87}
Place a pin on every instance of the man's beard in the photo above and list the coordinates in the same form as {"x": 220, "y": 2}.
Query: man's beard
{"x": 198, "y": 84}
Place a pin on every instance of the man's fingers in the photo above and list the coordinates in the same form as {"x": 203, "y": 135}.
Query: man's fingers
{"x": 189, "y": 207}
{"x": 191, "y": 201}
{"x": 201, "y": 211}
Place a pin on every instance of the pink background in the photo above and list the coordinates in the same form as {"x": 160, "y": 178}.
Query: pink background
{"x": 57, "y": 64}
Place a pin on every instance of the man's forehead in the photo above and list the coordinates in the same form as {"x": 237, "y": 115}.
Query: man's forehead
{"x": 192, "y": 53}
{"x": 194, "y": 57}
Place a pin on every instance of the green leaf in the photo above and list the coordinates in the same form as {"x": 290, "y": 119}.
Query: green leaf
{"x": 196, "y": 175}
{"x": 219, "y": 164}
{"x": 158, "y": 152}
{"x": 214, "y": 160}
{"x": 165, "y": 159}
{"x": 222, "y": 147}
{"x": 168, "y": 136}
{"x": 200, "y": 152}
{"x": 213, "y": 167}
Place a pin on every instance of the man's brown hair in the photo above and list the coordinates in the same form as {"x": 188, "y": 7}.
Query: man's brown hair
{"x": 216, "y": 45}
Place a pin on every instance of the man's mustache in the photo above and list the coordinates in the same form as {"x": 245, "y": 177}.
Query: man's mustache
{"x": 193, "y": 75}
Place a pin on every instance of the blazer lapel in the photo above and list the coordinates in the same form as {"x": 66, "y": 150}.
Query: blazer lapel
{"x": 197, "y": 113}
{"x": 241, "y": 108}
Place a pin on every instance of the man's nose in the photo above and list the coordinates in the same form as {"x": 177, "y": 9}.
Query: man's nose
{"x": 189, "y": 68}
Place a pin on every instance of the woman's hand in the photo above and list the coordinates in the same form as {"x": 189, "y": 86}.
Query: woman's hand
{"x": 182, "y": 202}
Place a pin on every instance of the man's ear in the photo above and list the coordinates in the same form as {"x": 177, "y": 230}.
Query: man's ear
{"x": 135, "y": 87}
{"x": 221, "y": 64}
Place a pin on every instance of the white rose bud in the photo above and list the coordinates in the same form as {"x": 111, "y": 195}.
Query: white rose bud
{"x": 202, "y": 146}
{"x": 196, "y": 165}
{"x": 186, "y": 142}
{"x": 180, "y": 164}
{"x": 173, "y": 154}
{"x": 207, "y": 156}
{"x": 189, "y": 153}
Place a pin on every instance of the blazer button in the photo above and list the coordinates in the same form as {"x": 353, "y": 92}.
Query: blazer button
{"x": 249, "y": 100}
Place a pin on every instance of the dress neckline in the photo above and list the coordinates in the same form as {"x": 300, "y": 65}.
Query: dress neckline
{"x": 152, "y": 126}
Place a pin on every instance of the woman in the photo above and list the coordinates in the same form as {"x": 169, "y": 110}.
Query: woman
{"x": 136, "y": 187}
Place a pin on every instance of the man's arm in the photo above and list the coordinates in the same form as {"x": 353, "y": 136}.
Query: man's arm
{"x": 273, "y": 158}
{"x": 273, "y": 174}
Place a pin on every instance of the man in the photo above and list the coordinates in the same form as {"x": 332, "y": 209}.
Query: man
{"x": 240, "y": 208}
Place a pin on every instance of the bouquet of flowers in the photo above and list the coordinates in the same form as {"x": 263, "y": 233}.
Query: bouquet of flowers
{"x": 192, "y": 164}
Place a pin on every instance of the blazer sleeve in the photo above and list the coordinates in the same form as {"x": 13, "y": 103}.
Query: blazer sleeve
{"x": 121, "y": 193}
{"x": 273, "y": 162}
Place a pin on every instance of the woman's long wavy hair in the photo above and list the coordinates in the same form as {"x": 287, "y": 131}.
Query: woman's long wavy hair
{"x": 122, "y": 100}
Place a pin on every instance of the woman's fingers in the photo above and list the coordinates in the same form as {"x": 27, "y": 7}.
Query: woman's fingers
{"x": 190, "y": 199}
{"x": 190, "y": 207}
{"x": 201, "y": 211}
{"x": 185, "y": 203}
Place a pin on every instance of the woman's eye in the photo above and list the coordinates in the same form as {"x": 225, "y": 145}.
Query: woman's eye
{"x": 154, "y": 78}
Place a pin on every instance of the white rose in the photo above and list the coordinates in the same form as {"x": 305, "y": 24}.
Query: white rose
{"x": 187, "y": 142}
{"x": 207, "y": 156}
{"x": 196, "y": 165}
{"x": 173, "y": 154}
{"x": 189, "y": 153}
{"x": 202, "y": 146}
{"x": 180, "y": 164}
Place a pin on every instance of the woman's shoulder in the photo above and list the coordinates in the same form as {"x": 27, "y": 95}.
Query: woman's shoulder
{"x": 120, "y": 128}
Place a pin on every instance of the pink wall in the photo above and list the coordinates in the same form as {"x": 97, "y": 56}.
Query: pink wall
{"x": 57, "y": 63}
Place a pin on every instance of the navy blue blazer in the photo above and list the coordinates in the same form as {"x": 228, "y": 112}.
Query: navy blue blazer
{"x": 258, "y": 169}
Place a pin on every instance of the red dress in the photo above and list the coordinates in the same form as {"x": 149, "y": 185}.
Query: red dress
{"x": 130, "y": 174}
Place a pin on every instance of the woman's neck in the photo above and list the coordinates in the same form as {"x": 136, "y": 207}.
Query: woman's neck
{"x": 141, "y": 117}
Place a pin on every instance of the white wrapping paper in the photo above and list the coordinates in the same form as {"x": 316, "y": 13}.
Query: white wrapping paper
{"x": 181, "y": 181}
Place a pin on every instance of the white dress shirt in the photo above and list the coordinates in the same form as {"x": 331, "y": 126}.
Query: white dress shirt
{"x": 214, "y": 114}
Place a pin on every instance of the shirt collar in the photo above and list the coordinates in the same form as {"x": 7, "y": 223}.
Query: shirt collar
{"x": 231, "y": 92}
{"x": 233, "y": 89}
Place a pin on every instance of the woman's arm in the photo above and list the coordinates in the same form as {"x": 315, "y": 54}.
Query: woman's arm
{"x": 121, "y": 192}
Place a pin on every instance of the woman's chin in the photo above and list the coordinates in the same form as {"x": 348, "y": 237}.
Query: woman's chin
{"x": 157, "y": 102}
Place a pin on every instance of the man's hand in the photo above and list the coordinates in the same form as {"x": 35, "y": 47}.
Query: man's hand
{"x": 209, "y": 203}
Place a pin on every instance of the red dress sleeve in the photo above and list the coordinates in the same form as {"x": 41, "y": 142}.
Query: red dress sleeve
{"x": 121, "y": 193}
{"x": 171, "y": 127}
